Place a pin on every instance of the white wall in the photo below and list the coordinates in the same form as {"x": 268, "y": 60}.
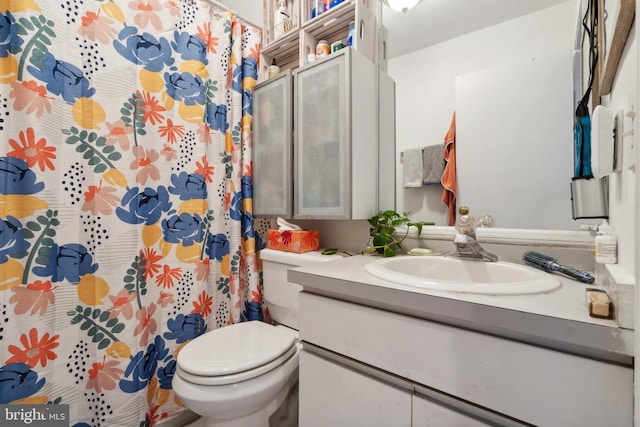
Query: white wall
{"x": 514, "y": 142}
{"x": 635, "y": 209}
{"x": 622, "y": 188}
{"x": 252, "y": 10}
{"x": 425, "y": 86}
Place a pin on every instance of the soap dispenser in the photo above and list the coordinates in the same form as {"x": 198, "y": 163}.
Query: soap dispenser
{"x": 605, "y": 245}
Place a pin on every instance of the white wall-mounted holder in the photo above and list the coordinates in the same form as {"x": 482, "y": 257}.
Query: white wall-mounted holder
{"x": 624, "y": 136}
{"x": 603, "y": 123}
{"x": 617, "y": 141}
{"x": 631, "y": 161}
{"x": 589, "y": 197}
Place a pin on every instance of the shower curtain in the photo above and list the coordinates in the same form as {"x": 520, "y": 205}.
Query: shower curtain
{"x": 126, "y": 224}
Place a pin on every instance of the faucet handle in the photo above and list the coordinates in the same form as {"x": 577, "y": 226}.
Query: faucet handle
{"x": 486, "y": 221}
{"x": 466, "y": 224}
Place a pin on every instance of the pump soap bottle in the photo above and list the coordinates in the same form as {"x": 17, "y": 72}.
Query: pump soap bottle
{"x": 605, "y": 245}
{"x": 273, "y": 69}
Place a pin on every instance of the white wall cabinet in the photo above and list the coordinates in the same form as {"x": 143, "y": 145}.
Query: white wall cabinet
{"x": 325, "y": 162}
{"x": 465, "y": 377}
{"x": 324, "y": 165}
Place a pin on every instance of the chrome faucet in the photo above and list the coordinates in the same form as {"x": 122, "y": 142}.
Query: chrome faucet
{"x": 467, "y": 246}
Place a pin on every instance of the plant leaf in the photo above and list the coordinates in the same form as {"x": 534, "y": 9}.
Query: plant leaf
{"x": 329, "y": 251}
{"x": 419, "y": 227}
{"x": 388, "y": 252}
{"x": 380, "y": 239}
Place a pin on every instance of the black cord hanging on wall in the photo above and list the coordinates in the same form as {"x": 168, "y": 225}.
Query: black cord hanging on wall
{"x": 582, "y": 130}
{"x": 589, "y": 196}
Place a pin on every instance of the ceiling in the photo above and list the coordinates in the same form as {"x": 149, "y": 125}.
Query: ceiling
{"x": 434, "y": 21}
{"x": 431, "y": 21}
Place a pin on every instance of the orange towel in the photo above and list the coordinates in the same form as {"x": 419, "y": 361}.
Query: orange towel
{"x": 449, "y": 174}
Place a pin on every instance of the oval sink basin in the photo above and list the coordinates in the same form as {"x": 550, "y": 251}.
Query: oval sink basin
{"x": 459, "y": 275}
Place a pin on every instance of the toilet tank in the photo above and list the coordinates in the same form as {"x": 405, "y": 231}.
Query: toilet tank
{"x": 281, "y": 295}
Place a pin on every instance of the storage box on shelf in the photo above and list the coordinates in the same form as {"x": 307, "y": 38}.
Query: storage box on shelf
{"x": 285, "y": 51}
{"x": 333, "y": 26}
{"x": 280, "y": 17}
{"x": 291, "y": 49}
{"x": 281, "y": 34}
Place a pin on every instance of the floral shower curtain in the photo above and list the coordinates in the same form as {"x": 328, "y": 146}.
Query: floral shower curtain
{"x": 125, "y": 198}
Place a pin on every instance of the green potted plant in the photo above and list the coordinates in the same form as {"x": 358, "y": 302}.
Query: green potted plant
{"x": 383, "y": 226}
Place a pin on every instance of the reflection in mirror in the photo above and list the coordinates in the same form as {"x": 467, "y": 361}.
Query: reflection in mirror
{"x": 514, "y": 141}
{"x": 513, "y": 89}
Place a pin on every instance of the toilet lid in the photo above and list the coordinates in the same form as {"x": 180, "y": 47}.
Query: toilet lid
{"x": 235, "y": 349}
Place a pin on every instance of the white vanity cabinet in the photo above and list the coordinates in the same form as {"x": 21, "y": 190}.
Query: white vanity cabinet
{"x": 339, "y": 392}
{"x": 336, "y": 395}
{"x": 336, "y": 138}
{"x": 455, "y": 377}
{"x": 426, "y": 411}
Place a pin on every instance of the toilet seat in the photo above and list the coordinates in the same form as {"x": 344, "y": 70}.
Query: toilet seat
{"x": 235, "y": 353}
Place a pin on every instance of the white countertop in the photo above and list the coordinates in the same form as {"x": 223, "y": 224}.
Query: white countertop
{"x": 557, "y": 320}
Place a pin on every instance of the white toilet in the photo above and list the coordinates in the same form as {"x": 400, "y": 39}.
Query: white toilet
{"x": 239, "y": 375}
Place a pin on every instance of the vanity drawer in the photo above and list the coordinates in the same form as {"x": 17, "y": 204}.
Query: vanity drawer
{"x": 532, "y": 384}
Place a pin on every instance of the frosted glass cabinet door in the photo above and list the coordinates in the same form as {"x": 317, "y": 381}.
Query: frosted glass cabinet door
{"x": 322, "y": 155}
{"x": 272, "y": 147}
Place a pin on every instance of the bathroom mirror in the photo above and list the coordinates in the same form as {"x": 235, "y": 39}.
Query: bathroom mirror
{"x": 439, "y": 41}
{"x": 511, "y": 70}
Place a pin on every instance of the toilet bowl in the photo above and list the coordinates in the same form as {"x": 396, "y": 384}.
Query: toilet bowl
{"x": 239, "y": 375}
{"x": 246, "y": 381}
